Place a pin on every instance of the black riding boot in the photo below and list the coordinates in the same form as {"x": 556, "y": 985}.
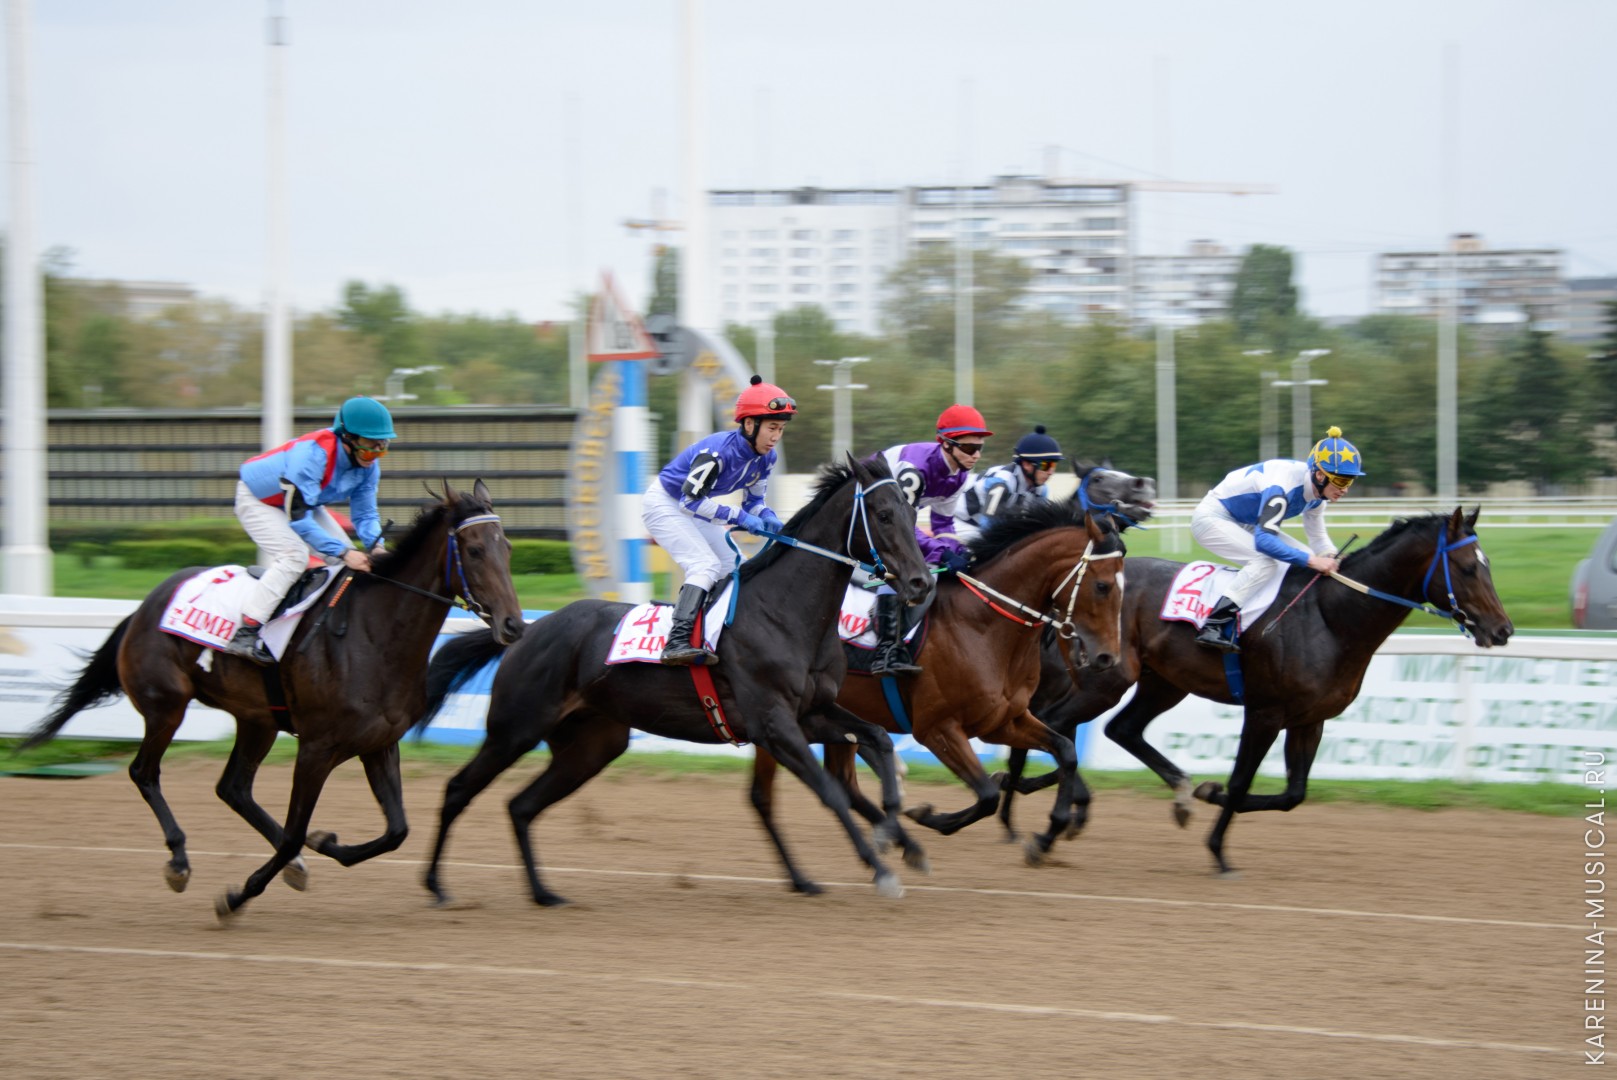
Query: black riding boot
{"x": 892, "y": 652}
{"x": 249, "y": 646}
{"x": 1219, "y": 629}
{"x": 679, "y": 651}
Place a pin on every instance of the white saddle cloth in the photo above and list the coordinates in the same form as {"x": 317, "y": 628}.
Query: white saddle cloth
{"x": 1198, "y": 588}
{"x": 642, "y": 633}
{"x": 206, "y": 609}
{"x": 857, "y": 623}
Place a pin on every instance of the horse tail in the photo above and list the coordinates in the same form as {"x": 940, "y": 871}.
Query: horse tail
{"x": 458, "y": 660}
{"x": 97, "y": 683}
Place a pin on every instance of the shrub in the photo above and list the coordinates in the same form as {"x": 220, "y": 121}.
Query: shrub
{"x": 541, "y": 557}
{"x": 174, "y": 554}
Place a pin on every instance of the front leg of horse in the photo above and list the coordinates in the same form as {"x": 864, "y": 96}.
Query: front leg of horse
{"x": 888, "y": 818}
{"x": 951, "y": 747}
{"x": 382, "y": 770}
{"x": 309, "y": 775}
{"x": 1127, "y": 729}
{"x": 254, "y": 738}
{"x": 762, "y": 795}
{"x": 1256, "y": 738}
{"x": 1028, "y": 732}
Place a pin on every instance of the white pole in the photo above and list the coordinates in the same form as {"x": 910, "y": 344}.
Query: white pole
{"x": 578, "y": 376}
{"x": 277, "y": 389}
{"x": 696, "y": 309}
{"x": 964, "y": 321}
{"x": 1448, "y": 346}
{"x": 27, "y": 559}
{"x": 1167, "y": 426}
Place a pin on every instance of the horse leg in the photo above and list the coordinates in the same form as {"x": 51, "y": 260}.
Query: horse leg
{"x": 1153, "y": 696}
{"x": 782, "y": 735}
{"x": 950, "y": 745}
{"x": 235, "y": 789}
{"x": 146, "y": 771}
{"x": 314, "y": 765}
{"x": 1028, "y": 732}
{"x": 382, "y": 770}
{"x": 762, "y": 794}
{"x": 875, "y": 746}
{"x": 1302, "y": 743}
{"x": 500, "y": 750}
{"x": 1256, "y": 738}
{"x": 576, "y": 758}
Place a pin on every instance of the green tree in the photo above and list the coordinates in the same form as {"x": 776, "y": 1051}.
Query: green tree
{"x": 1264, "y": 298}
{"x": 1538, "y": 418}
{"x": 920, "y": 309}
{"x": 383, "y": 316}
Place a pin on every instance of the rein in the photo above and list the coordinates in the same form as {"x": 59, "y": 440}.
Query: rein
{"x": 1065, "y": 627}
{"x": 1463, "y": 621}
{"x": 461, "y": 594}
{"x": 1089, "y": 506}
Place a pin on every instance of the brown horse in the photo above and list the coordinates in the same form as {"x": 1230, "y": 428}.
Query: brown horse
{"x": 353, "y": 681}
{"x": 980, "y": 663}
{"x": 1298, "y": 671}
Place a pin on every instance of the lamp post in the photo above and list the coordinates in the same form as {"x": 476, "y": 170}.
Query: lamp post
{"x": 1302, "y": 419}
{"x": 394, "y": 384}
{"x": 841, "y": 406}
{"x": 1268, "y": 444}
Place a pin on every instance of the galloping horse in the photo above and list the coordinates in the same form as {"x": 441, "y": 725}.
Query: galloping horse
{"x": 347, "y": 684}
{"x": 780, "y": 665}
{"x": 980, "y": 660}
{"x": 1299, "y": 671}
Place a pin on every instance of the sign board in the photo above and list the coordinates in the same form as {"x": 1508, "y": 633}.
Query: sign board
{"x": 615, "y": 331}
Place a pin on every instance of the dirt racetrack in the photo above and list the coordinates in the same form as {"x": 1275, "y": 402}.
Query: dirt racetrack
{"x": 1358, "y": 942}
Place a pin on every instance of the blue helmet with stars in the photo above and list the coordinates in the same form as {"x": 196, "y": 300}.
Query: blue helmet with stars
{"x": 1336, "y": 456}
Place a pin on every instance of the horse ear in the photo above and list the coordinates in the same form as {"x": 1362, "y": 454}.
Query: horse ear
{"x": 1457, "y": 523}
{"x": 1471, "y": 522}
{"x": 855, "y": 467}
{"x": 480, "y": 493}
{"x": 1082, "y": 468}
{"x": 449, "y": 491}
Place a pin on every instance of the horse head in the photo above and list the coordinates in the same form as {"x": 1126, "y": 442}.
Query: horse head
{"x": 1127, "y": 499}
{"x": 476, "y": 560}
{"x": 1460, "y": 581}
{"x": 883, "y": 521}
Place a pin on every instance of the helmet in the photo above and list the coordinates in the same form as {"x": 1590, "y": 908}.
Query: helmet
{"x": 365, "y": 418}
{"x": 1037, "y": 446}
{"x": 766, "y": 401}
{"x": 1336, "y": 456}
{"x": 959, "y": 420}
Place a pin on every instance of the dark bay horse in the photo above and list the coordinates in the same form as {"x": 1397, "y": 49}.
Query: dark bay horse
{"x": 1041, "y": 566}
{"x": 353, "y": 685}
{"x": 780, "y": 665}
{"x": 1305, "y": 670}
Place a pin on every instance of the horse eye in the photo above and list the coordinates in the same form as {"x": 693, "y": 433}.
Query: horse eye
{"x": 475, "y": 551}
{"x": 885, "y": 517}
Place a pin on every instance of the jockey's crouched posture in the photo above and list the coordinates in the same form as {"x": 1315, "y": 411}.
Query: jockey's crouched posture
{"x": 1025, "y": 477}
{"x": 931, "y": 475}
{"x": 681, "y": 512}
{"x": 1240, "y": 520}
{"x": 281, "y": 501}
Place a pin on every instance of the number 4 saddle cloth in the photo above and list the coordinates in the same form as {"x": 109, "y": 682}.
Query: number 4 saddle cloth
{"x": 643, "y": 631}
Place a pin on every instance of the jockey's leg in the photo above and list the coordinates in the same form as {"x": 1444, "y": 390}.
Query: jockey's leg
{"x": 691, "y": 544}
{"x": 269, "y": 528}
{"x": 893, "y": 655}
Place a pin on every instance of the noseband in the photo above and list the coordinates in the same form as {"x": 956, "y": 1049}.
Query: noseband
{"x": 1066, "y": 628}
{"x": 1463, "y": 621}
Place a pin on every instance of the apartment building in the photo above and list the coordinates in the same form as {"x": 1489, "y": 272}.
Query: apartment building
{"x": 1490, "y": 285}
{"x": 1182, "y": 290}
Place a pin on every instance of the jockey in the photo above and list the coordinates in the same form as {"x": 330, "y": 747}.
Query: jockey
{"x": 1240, "y": 519}
{"x": 682, "y": 513}
{"x": 281, "y": 500}
{"x": 1026, "y": 476}
{"x": 931, "y": 475}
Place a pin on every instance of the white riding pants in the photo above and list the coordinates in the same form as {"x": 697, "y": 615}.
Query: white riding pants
{"x": 698, "y": 546}
{"x": 1215, "y": 530}
{"x": 285, "y": 550}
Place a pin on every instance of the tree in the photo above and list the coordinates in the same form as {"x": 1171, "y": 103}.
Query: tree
{"x": 1264, "y": 296}
{"x": 1537, "y": 418}
{"x": 1602, "y": 384}
{"x": 920, "y": 309}
{"x": 383, "y": 316}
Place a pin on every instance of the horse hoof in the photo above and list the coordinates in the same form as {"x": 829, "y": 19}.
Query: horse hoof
{"x": 919, "y": 813}
{"x": 1181, "y": 815}
{"x": 1010, "y": 837}
{"x": 888, "y": 885}
{"x": 999, "y": 779}
{"x": 1206, "y": 790}
{"x": 449, "y": 903}
{"x": 318, "y": 839}
{"x": 225, "y": 908}
{"x": 806, "y": 887}
{"x": 1033, "y": 852}
{"x": 551, "y": 900}
{"x": 177, "y": 879}
{"x": 296, "y": 874}
{"x": 1072, "y": 830}
{"x": 1227, "y": 875}
{"x": 916, "y": 860}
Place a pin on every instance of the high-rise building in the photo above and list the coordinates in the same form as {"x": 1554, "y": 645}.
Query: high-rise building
{"x": 1182, "y": 290}
{"x": 1588, "y": 313}
{"x": 1490, "y": 285}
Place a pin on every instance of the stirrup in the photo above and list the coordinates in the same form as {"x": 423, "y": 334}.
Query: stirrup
{"x": 256, "y": 652}
{"x": 1218, "y": 639}
{"x": 688, "y": 656}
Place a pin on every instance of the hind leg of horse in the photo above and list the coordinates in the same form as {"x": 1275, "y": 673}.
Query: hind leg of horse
{"x": 314, "y": 765}
{"x": 146, "y": 771}
{"x": 1302, "y": 743}
{"x": 382, "y": 770}
{"x": 235, "y": 789}
{"x": 782, "y": 735}
{"x": 949, "y": 744}
{"x": 887, "y": 818}
{"x": 1256, "y": 738}
{"x": 762, "y": 795}
{"x": 1153, "y": 696}
{"x": 1028, "y": 732}
{"x": 576, "y": 758}
{"x": 500, "y": 750}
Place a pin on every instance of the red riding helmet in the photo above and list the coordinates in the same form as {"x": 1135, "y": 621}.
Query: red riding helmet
{"x": 764, "y": 401}
{"x": 958, "y": 420}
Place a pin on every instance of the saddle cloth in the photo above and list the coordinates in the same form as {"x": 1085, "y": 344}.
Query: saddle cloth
{"x": 856, "y": 625}
{"x": 643, "y": 631}
{"x": 206, "y": 609}
{"x": 1198, "y": 588}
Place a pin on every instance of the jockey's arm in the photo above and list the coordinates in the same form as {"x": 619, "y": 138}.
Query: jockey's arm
{"x": 1268, "y": 535}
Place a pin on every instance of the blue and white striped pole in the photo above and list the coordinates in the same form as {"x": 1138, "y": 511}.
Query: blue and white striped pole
{"x": 631, "y": 439}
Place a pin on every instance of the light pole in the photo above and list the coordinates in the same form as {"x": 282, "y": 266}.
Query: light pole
{"x": 841, "y": 406}
{"x": 1268, "y": 448}
{"x": 1302, "y": 419}
{"x": 394, "y": 384}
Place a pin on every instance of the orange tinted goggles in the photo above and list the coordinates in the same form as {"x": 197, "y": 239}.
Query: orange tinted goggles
{"x": 1343, "y": 482}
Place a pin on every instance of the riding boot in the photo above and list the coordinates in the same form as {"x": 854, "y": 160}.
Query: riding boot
{"x": 893, "y": 655}
{"x": 1219, "y": 629}
{"x": 687, "y": 617}
{"x": 248, "y": 645}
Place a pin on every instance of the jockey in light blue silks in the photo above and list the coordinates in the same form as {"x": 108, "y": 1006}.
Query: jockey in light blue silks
{"x": 931, "y": 475}
{"x": 1025, "y": 477}
{"x": 281, "y": 501}
{"x": 682, "y": 513}
{"x": 1240, "y": 520}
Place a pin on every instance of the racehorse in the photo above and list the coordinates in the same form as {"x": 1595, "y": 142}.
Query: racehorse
{"x": 346, "y": 683}
{"x": 980, "y": 660}
{"x": 1302, "y": 662}
{"x": 780, "y": 665}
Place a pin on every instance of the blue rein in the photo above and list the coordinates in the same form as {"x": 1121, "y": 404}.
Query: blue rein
{"x": 1441, "y": 555}
{"x": 1089, "y": 506}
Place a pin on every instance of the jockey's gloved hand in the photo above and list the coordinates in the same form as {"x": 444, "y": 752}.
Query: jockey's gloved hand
{"x": 751, "y": 522}
{"x": 954, "y": 560}
{"x": 770, "y": 519}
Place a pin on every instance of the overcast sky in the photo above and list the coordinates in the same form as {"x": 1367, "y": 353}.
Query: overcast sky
{"x": 483, "y": 154}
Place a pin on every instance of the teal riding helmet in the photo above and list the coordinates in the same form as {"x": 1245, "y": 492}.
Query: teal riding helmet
{"x": 364, "y": 418}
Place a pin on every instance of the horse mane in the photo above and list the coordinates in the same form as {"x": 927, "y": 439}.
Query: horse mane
{"x": 1391, "y": 535}
{"x": 422, "y": 530}
{"x": 829, "y": 479}
{"x": 1024, "y": 520}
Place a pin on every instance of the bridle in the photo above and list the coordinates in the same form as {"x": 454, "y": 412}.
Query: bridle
{"x": 1066, "y": 628}
{"x": 460, "y": 588}
{"x": 1463, "y": 621}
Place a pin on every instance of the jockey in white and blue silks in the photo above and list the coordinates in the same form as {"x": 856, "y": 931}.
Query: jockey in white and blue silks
{"x": 281, "y": 501}
{"x": 682, "y": 512}
{"x": 1241, "y": 518}
{"x": 931, "y": 475}
{"x": 1024, "y": 478}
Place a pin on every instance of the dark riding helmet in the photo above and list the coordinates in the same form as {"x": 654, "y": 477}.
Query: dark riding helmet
{"x": 1037, "y": 447}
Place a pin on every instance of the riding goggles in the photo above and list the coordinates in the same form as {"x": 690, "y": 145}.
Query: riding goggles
{"x": 780, "y": 404}
{"x": 368, "y": 450}
{"x": 969, "y": 449}
{"x": 1343, "y": 482}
